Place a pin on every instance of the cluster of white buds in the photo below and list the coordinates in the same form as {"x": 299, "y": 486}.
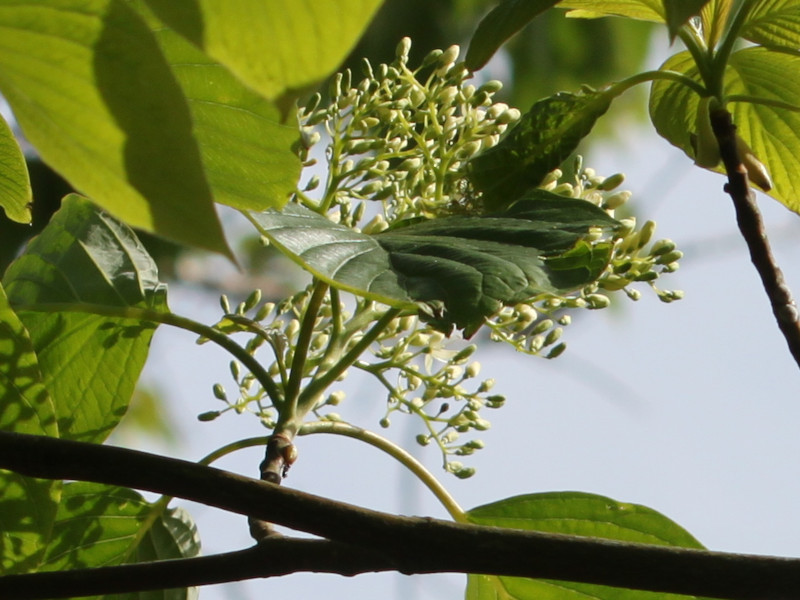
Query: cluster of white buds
{"x": 403, "y": 136}
{"x": 536, "y": 326}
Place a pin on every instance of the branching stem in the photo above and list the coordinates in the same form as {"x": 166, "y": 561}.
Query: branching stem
{"x": 754, "y": 233}
{"x": 173, "y": 320}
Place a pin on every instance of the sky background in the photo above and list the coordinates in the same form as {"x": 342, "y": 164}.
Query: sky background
{"x": 689, "y": 408}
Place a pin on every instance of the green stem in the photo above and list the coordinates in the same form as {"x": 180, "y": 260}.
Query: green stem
{"x": 725, "y": 48}
{"x": 396, "y": 452}
{"x": 309, "y": 395}
{"x": 173, "y": 320}
{"x": 301, "y": 348}
{"x": 233, "y": 447}
{"x": 618, "y": 88}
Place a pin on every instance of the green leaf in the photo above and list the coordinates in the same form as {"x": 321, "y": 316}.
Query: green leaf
{"x": 673, "y": 107}
{"x": 458, "y": 269}
{"x": 774, "y": 23}
{"x": 643, "y": 10}
{"x": 15, "y": 184}
{"x": 502, "y": 22}
{"x": 573, "y": 513}
{"x": 678, "y": 13}
{"x": 99, "y": 525}
{"x": 27, "y": 506}
{"x": 93, "y": 93}
{"x": 714, "y": 18}
{"x": 90, "y": 363}
{"x": 769, "y": 123}
{"x": 546, "y": 135}
{"x": 277, "y": 47}
{"x": 246, "y": 151}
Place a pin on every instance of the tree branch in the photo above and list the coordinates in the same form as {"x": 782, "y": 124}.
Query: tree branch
{"x": 752, "y": 228}
{"x": 368, "y": 540}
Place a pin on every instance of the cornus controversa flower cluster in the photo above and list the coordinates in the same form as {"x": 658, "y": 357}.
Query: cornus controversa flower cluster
{"x": 397, "y": 147}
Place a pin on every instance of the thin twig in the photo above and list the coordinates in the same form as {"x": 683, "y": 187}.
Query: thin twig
{"x": 377, "y": 541}
{"x": 751, "y": 225}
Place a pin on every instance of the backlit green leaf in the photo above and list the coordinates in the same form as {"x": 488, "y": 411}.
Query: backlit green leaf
{"x": 770, "y": 123}
{"x": 673, "y": 107}
{"x": 246, "y": 151}
{"x": 504, "y": 20}
{"x": 15, "y": 184}
{"x": 714, "y": 18}
{"x": 573, "y": 513}
{"x": 274, "y": 47}
{"x": 90, "y": 363}
{"x": 29, "y": 505}
{"x": 99, "y": 525}
{"x": 93, "y": 93}
{"x": 546, "y": 135}
{"x": 644, "y": 10}
{"x": 774, "y": 23}
{"x": 459, "y": 269}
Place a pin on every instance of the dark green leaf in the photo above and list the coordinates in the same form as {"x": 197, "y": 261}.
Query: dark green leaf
{"x": 28, "y": 505}
{"x": 246, "y": 151}
{"x": 573, "y": 513}
{"x": 460, "y": 269}
{"x": 774, "y": 23}
{"x": 547, "y": 134}
{"x": 90, "y": 363}
{"x": 93, "y": 93}
{"x": 504, "y": 20}
{"x": 99, "y": 525}
{"x": 274, "y": 47}
{"x": 678, "y": 13}
{"x": 15, "y": 184}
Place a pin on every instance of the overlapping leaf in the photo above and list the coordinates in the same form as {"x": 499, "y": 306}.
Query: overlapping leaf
{"x": 774, "y": 23}
{"x": 274, "y": 50}
{"x": 678, "y": 13}
{"x": 502, "y": 22}
{"x": 15, "y": 185}
{"x": 99, "y": 525}
{"x": 246, "y": 151}
{"x": 547, "y": 134}
{"x": 459, "y": 269}
{"x": 714, "y": 18}
{"x": 770, "y": 123}
{"x": 90, "y": 363}
{"x": 644, "y": 10}
{"x": 573, "y": 513}
{"x": 93, "y": 93}
{"x": 29, "y": 505}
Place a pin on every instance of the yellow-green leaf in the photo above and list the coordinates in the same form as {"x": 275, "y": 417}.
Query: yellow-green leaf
{"x": 29, "y": 505}
{"x": 93, "y": 93}
{"x": 763, "y": 89}
{"x": 774, "y": 23}
{"x": 644, "y": 10}
{"x": 275, "y": 47}
{"x": 15, "y": 184}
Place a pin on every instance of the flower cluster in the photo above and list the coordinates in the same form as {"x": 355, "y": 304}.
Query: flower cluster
{"x": 397, "y": 147}
{"x": 403, "y": 137}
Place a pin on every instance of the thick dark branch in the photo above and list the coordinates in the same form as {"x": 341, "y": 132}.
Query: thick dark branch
{"x": 752, "y": 228}
{"x": 379, "y": 541}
